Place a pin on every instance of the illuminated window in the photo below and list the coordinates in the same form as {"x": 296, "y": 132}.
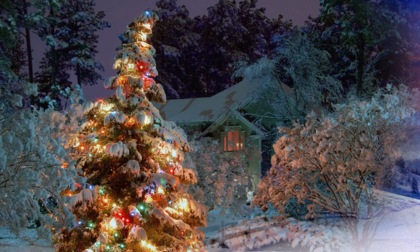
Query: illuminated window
{"x": 233, "y": 140}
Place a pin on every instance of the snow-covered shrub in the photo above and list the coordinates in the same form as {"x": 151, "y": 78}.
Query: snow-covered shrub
{"x": 34, "y": 164}
{"x": 223, "y": 177}
{"x": 332, "y": 163}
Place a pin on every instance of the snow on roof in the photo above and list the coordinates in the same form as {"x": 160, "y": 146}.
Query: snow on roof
{"x": 209, "y": 109}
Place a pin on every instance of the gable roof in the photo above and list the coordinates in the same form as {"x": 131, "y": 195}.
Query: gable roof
{"x": 233, "y": 113}
{"x": 209, "y": 109}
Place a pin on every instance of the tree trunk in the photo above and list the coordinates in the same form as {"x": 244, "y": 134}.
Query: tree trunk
{"x": 78, "y": 74}
{"x": 29, "y": 54}
{"x": 28, "y": 47}
{"x": 360, "y": 62}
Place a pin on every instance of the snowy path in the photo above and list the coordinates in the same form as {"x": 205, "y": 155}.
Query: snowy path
{"x": 399, "y": 230}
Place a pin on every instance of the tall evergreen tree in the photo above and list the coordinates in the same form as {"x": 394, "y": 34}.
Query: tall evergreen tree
{"x": 211, "y": 45}
{"x": 365, "y": 39}
{"x": 173, "y": 37}
{"x": 15, "y": 24}
{"x": 136, "y": 194}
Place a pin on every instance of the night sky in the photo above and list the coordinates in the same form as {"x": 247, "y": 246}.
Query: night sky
{"x": 121, "y": 13}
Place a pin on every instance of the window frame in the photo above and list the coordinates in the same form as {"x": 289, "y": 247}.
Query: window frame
{"x": 225, "y": 139}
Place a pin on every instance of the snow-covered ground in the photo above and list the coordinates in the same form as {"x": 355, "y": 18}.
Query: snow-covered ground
{"x": 26, "y": 243}
{"x": 398, "y": 230}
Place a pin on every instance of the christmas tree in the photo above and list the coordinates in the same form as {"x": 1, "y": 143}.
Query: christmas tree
{"x": 135, "y": 196}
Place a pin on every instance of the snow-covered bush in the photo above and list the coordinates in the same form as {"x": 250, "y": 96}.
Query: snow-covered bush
{"x": 223, "y": 177}
{"x": 34, "y": 164}
{"x": 332, "y": 163}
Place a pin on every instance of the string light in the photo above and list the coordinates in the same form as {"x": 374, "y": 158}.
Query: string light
{"x": 147, "y": 245}
{"x": 147, "y": 26}
{"x": 143, "y": 36}
{"x": 183, "y": 204}
{"x": 148, "y": 199}
{"x": 130, "y": 66}
{"x": 115, "y": 217}
{"x": 106, "y": 107}
{"x": 160, "y": 190}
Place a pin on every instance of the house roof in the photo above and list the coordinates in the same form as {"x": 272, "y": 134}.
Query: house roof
{"x": 209, "y": 109}
{"x": 233, "y": 113}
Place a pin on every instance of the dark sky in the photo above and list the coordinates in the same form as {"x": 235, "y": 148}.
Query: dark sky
{"x": 120, "y": 13}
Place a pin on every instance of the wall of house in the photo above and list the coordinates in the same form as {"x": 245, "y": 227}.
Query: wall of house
{"x": 254, "y": 166}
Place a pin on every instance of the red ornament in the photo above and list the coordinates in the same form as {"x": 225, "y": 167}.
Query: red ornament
{"x": 142, "y": 67}
{"x": 126, "y": 218}
{"x": 147, "y": 82}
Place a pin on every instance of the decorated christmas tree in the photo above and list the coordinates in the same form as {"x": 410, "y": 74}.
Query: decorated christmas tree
{"x": 135, "y": 196}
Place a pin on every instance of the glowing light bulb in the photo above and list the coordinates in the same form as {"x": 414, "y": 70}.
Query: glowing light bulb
{"x": 130, "y": 66}
{"x": 148, "y": 120}
{"x": 160, "y": 190}
{"x": 147, "y": 26}
{"x": 106, "y": 107}
{"x": 148, "y": 245}
{"x": 148, "y": 199}
{"x": 183, "y": 204}
{"x": 143, "y": 36}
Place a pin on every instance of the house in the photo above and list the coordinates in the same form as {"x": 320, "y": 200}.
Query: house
{"x": 230, "y": 116}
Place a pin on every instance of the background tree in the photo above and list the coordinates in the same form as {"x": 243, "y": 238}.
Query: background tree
{"x": 35, "y": 165}
{"x": 14, "y": 26}
{"x": 366, "y": 39}
{"x": 334, "y": 163}
{"x": 176, "y": 47}
{"x": 136, "y": 193}
{"x": 231, "y": 32}
{"x": 70, "y": 34}
{"x": 307, "y": 69}
{"x": 210, "y": 45}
